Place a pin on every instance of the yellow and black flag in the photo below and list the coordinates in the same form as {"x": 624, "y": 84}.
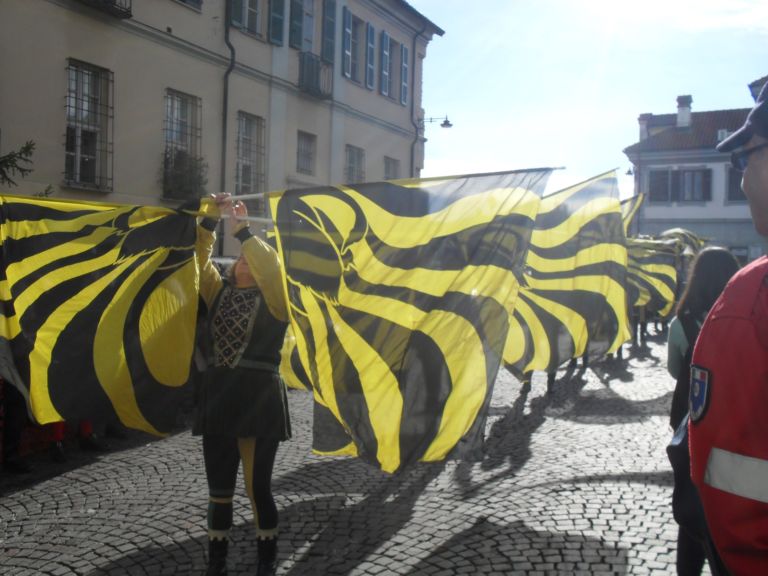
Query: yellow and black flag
{"x": 398, "y": 294}
{"x": 98, "y": 309}
{"x": 629, "y": 208}
{"x": 573, "y": 298}
{"x": 652, "y": 274}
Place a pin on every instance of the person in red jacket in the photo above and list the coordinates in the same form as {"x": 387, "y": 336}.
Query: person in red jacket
{"x": 729, "y": 381}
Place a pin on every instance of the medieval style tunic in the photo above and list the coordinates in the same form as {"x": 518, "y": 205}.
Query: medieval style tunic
{"x": 240, "y": 392}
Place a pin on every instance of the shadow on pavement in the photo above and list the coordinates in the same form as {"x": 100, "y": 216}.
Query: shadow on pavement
{"x": 507, "y": 446}
{"x": 343, "y": 534}
{"x": 44, "y": 467}
{"x": 489, "y": 548}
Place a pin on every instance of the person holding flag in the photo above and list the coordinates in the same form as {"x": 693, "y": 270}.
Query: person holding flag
{"x": 241, "y": 402}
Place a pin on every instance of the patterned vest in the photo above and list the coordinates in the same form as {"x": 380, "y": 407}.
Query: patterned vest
{"x": 242, "y": 331}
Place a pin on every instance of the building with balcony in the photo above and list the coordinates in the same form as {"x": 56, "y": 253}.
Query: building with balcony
{"x": 158, "y": 101}
{"x": 687, "y": 182}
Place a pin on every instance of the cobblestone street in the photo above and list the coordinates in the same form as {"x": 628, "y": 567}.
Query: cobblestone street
{"x": 571, "y": 482}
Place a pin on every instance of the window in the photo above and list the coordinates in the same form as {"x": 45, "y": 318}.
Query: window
{"x": 354, "y": 165}
{"x": 385, "y": 61}
{"x": 329, "y": 31}
{"x": 353, "y": 46}
{"x": 183, "y": 168}
{"x": 308, "y": 26}
{"x": 305, "y": 152}
{"x": 391, "y": 168}
{"x": 695, "y": 186}
{"x": 245, "y": 15}
{"x": 250, "y": 175}
{"x": 88, "y": 143}
{"x": 276, "y": 20}
{"x": 735, "y": 193}
{"x": 680, "y": 185}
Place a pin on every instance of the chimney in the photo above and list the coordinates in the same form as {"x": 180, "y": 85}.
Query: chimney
{"x": 643, "y": 121}
{"x": 684, "y": 111}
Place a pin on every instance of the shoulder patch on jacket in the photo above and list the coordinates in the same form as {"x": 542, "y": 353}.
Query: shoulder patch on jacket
{"x": 701, "y": 385}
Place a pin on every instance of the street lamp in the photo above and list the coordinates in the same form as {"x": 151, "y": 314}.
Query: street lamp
{"x": 444, "y": 122}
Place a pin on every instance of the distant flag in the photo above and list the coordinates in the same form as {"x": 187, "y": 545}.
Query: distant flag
{"x": 689, "y": 242}
{"x": 98, "y": 305}
{"x": 652, "y": 274}
{"x": 629, "y": 208}
{"x": 398, "y": 293}
{"x": 573, "y": 298}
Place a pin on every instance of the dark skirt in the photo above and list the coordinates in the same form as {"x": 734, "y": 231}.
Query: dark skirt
{"x": 241, "y": 403}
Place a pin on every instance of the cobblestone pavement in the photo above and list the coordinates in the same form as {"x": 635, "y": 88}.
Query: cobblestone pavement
{"x": 571, "y": 482}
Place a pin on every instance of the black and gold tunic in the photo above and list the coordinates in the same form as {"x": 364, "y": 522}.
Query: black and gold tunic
{"x": 240, "y": 393}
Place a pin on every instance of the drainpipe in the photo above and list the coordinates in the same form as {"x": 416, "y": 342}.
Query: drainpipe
{"x": 225, "y": 113}
{"x": 413, "y": 100}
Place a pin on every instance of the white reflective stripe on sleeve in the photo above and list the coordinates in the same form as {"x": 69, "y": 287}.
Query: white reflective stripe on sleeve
{"x": 736, "y": 474}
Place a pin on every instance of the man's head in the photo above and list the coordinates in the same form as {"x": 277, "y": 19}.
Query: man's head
{"x": 749, "y": 147}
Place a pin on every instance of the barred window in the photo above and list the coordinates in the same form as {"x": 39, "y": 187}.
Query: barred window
{"x": 354, "y": 165}
{"x": 88, "y": 142}
{"x": 250, "y": 175}
{"x": 182, "y": 122}
{"x": 305, "y": 152}
{"x": 391, "y": 168}
{"x": 183, "y": 167}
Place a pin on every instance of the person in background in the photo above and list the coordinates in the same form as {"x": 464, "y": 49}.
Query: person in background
{"x": 729, "y": 381}
{"x": 14, "y": 421}
{"x": 242, "y": 408}
{"x": 709, "y": 273}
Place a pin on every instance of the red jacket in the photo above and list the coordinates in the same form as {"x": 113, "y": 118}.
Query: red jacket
{"x": 729, "y": 421}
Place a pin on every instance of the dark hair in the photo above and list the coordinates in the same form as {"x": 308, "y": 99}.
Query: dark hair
{"x": 709, "y": 273}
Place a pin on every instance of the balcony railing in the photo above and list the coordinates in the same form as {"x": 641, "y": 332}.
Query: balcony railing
{"x": 117, "y": 8}
{"x": 315, "y": 76}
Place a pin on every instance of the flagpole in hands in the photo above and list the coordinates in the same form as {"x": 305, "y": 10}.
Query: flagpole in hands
{"x": 228, "y": 207}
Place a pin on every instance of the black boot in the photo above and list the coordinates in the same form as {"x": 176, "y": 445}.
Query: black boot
{"x": 217, "y": 557}
{"x": 267, "y": 556}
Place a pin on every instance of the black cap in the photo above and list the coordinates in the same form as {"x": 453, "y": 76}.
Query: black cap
{"x": 756, "y": 123}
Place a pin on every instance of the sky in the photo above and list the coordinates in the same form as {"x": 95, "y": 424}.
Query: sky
{"x": 532, "y": 83}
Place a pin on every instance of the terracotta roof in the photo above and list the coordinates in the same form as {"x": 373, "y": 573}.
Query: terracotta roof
{"x": 700, "y": 135}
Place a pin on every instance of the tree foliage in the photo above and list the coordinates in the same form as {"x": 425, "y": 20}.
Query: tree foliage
{"x": 16, "y": 163}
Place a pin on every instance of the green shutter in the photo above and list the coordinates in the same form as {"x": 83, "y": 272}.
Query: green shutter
{"x": 294, "y": 28}
{"x": 276, "y": 19}
{"x": 329, "y": 31}
{"x": 346, "y": 42}
{"x": 370, "y": 55}
{"x": 384, "y": 79}
{"x": 403, "y": 74}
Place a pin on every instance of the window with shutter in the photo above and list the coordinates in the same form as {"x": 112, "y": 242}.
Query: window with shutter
{"x": 735, "y": 193}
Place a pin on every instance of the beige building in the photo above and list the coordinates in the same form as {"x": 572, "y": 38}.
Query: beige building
{"x": 687, "y": 183}
{"x": 140, "y": 101}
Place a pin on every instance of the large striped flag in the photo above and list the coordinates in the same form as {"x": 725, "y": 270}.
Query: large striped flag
{"x": 629, "y": 208}
{"x": 652, "y": 274}
{"x": 98, "y": 306}
{"x": 398, "y": 294}
{"x": 573, "y": 298}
